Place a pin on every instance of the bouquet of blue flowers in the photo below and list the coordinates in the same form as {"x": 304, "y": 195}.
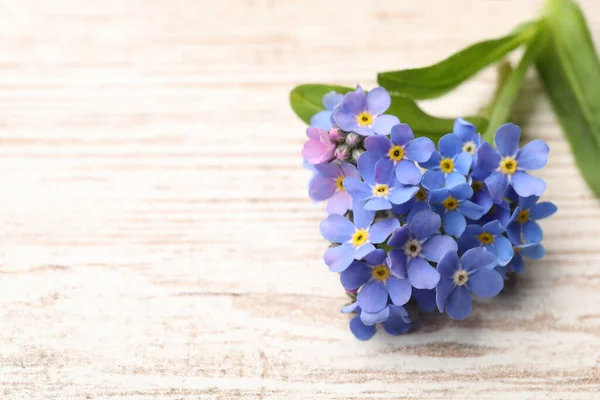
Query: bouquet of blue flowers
{"x": 412, "y": 222}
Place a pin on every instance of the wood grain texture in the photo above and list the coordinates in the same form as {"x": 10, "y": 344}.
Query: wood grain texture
{"x": 157, "y": 237}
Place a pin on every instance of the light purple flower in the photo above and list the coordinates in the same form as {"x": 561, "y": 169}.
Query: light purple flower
{"x": 491, "y": 237}
{"x": 451, "y": 160}
{"x": 394, "y": 319}
{"x": 363, "y": 113}
{"x": 467, "y": 133}
{"x": 380, "y": 188}
{"x": 401, "y": 152}
{"x": 461, "y": 277}
{"x": 415, "y": 244}
{"x": 376, "y": 279}
{"x": 522, "y": 227}
{"x": 356, "y": 239}
{"x": 319, "y": 148}
{"x": 322, "y": 119}
{"x": 328, "y": 184}
{"x": 507, "y": 166}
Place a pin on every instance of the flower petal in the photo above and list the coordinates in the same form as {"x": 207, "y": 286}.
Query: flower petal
{"x": 459, "y": 303}
{"x": 377, "y": 204}
{"x": 419, "y": 149}
{"x": 507, "y": 139}
{"x": 339, "y": 203}
{"x": 378, "y": 101}
{"x": 383, "y": 124}
{"x": 542, "y": 210}
{"x": 354, "y": 103}
{"x": 463, "y": 162}
{"x": 408, "y": 173}
{"x": 383, "y": 229}
{"x": 504, "y": 250}
{"x": 321, "y": 188}
{"x": 399, "y": 237}
{"x": 350, "y": 308}
{"x": 454, "y": 223}
{"x": 376, "y": 257}
{"x": 355, "y": 188}
{"x": 464, "y": 130}
{"x": 448, "y": 264}
{"x": 339, "y": 258}
{"x": 366, "y": 167}
{"x": 470, "y": 210}
{"x": 488, "y": 160}
{"x": 337, "y": 228}
{"x": 442, "y": 291}
{"x": 399, "y": 290}
{"x": 402, "y": 194}
{"x": 360, "y": 330}
{"x": 425, "y": 299}
{"x": 421, "y": 274}
{"x": 449, "y": 145}
{"x": 461, "y": 191}
{"x": 497, "y": 183}
{"x": 494, "y": 227}
{"x": 426, "y": 223}
{"x": 378, "y": 145}
{"x": 485, "y": 283}
{"x": 363, "y": 250}
{"x": 532, "y": 233}
{"x": 483, "y": 200}
{"x": 356, "y": 275}
{"x": 534, "y": 155}
{"x": 384, "y": 171}
{"x": 401, "y": 134}
{"x": 526, "y": 185}
{"x": 433, "y": 179}
{"x": 362, "y": 218}
{"x": 513, "y": 231}
{"x": 397, "y": 262}
{"x": 533, "y": 251}
{"x": 433, "y": 162}
{"x": 322, "y": 120}
{"x": 437, "y": 246}
{"x": 332, "y": 99}
{"x": 437, "y": 196}
{"x": 371, "y": 319}
{"x": 372, "y": 297}
{"x": 476, "y": 258}
{"x": 345, "y": 120}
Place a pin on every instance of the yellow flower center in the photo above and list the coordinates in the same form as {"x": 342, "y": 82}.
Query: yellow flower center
{"x": 421, "y": 195}
{"x": 381, "y": 272}
{"x": 523, "y": 216}
{"x": 508, "y": 165}
{"x": 477, "y": 186}
{"x": 360, "y": 237}
{"x": 447, "y": 165}
{"x": 396, "y": 153}
{"x": 516, "y": 249}
{"x": 469, "y": 147}
{"x": 450, "y": 203}
{"x": 364, "y": 119}
{"x": 339, "y": 183}
{"x": 486, "y": 238}
{"x": 460, "y": 277}
{"x": 381, "y": 190}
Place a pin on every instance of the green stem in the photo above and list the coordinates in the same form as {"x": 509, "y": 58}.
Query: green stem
{"x": 507, "y": 94}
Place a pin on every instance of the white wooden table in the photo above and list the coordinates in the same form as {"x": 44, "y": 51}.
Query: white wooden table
{"x": 157, "y": 240}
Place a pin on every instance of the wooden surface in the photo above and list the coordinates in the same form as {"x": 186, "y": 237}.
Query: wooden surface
{"x": 157, "y": 240}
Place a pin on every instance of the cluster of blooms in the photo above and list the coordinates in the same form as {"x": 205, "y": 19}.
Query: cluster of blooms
{"x": 408, "y": 221}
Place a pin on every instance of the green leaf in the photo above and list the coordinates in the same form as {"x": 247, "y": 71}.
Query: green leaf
{"x": 440, "y": 78}
{"x": 306, "y": 102}
{"x": 509, "y": 90}
{"x": 570, "y": 71}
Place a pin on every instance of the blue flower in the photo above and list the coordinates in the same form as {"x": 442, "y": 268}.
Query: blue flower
{"x": 481, "y": 195}
{"x": 508, "y": 165}
{"x": 363, "y": 113}
{"x": 452, "y": 202}
{"x": 376, "y": 278}
{"x": 522, "y": 227}
{"x": 500, "y": 212}
{"x": 327, "y": 184}
{"x": 380, "y": 188}
{"x": 415, "y": 244}
{"x": 356, "y": 239}
{"x": 460, "y": 277}
{"x": 401, "y": 152}
{"x": 406, "y": 211}
{"x": 467, "y": 133}
{"x": 394, "y": 319}
{"x": 488, "y": 236}
{"x": 534, "y": 251}
{"x": 322, "y": 119}
{"x": 450, "y": 160}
